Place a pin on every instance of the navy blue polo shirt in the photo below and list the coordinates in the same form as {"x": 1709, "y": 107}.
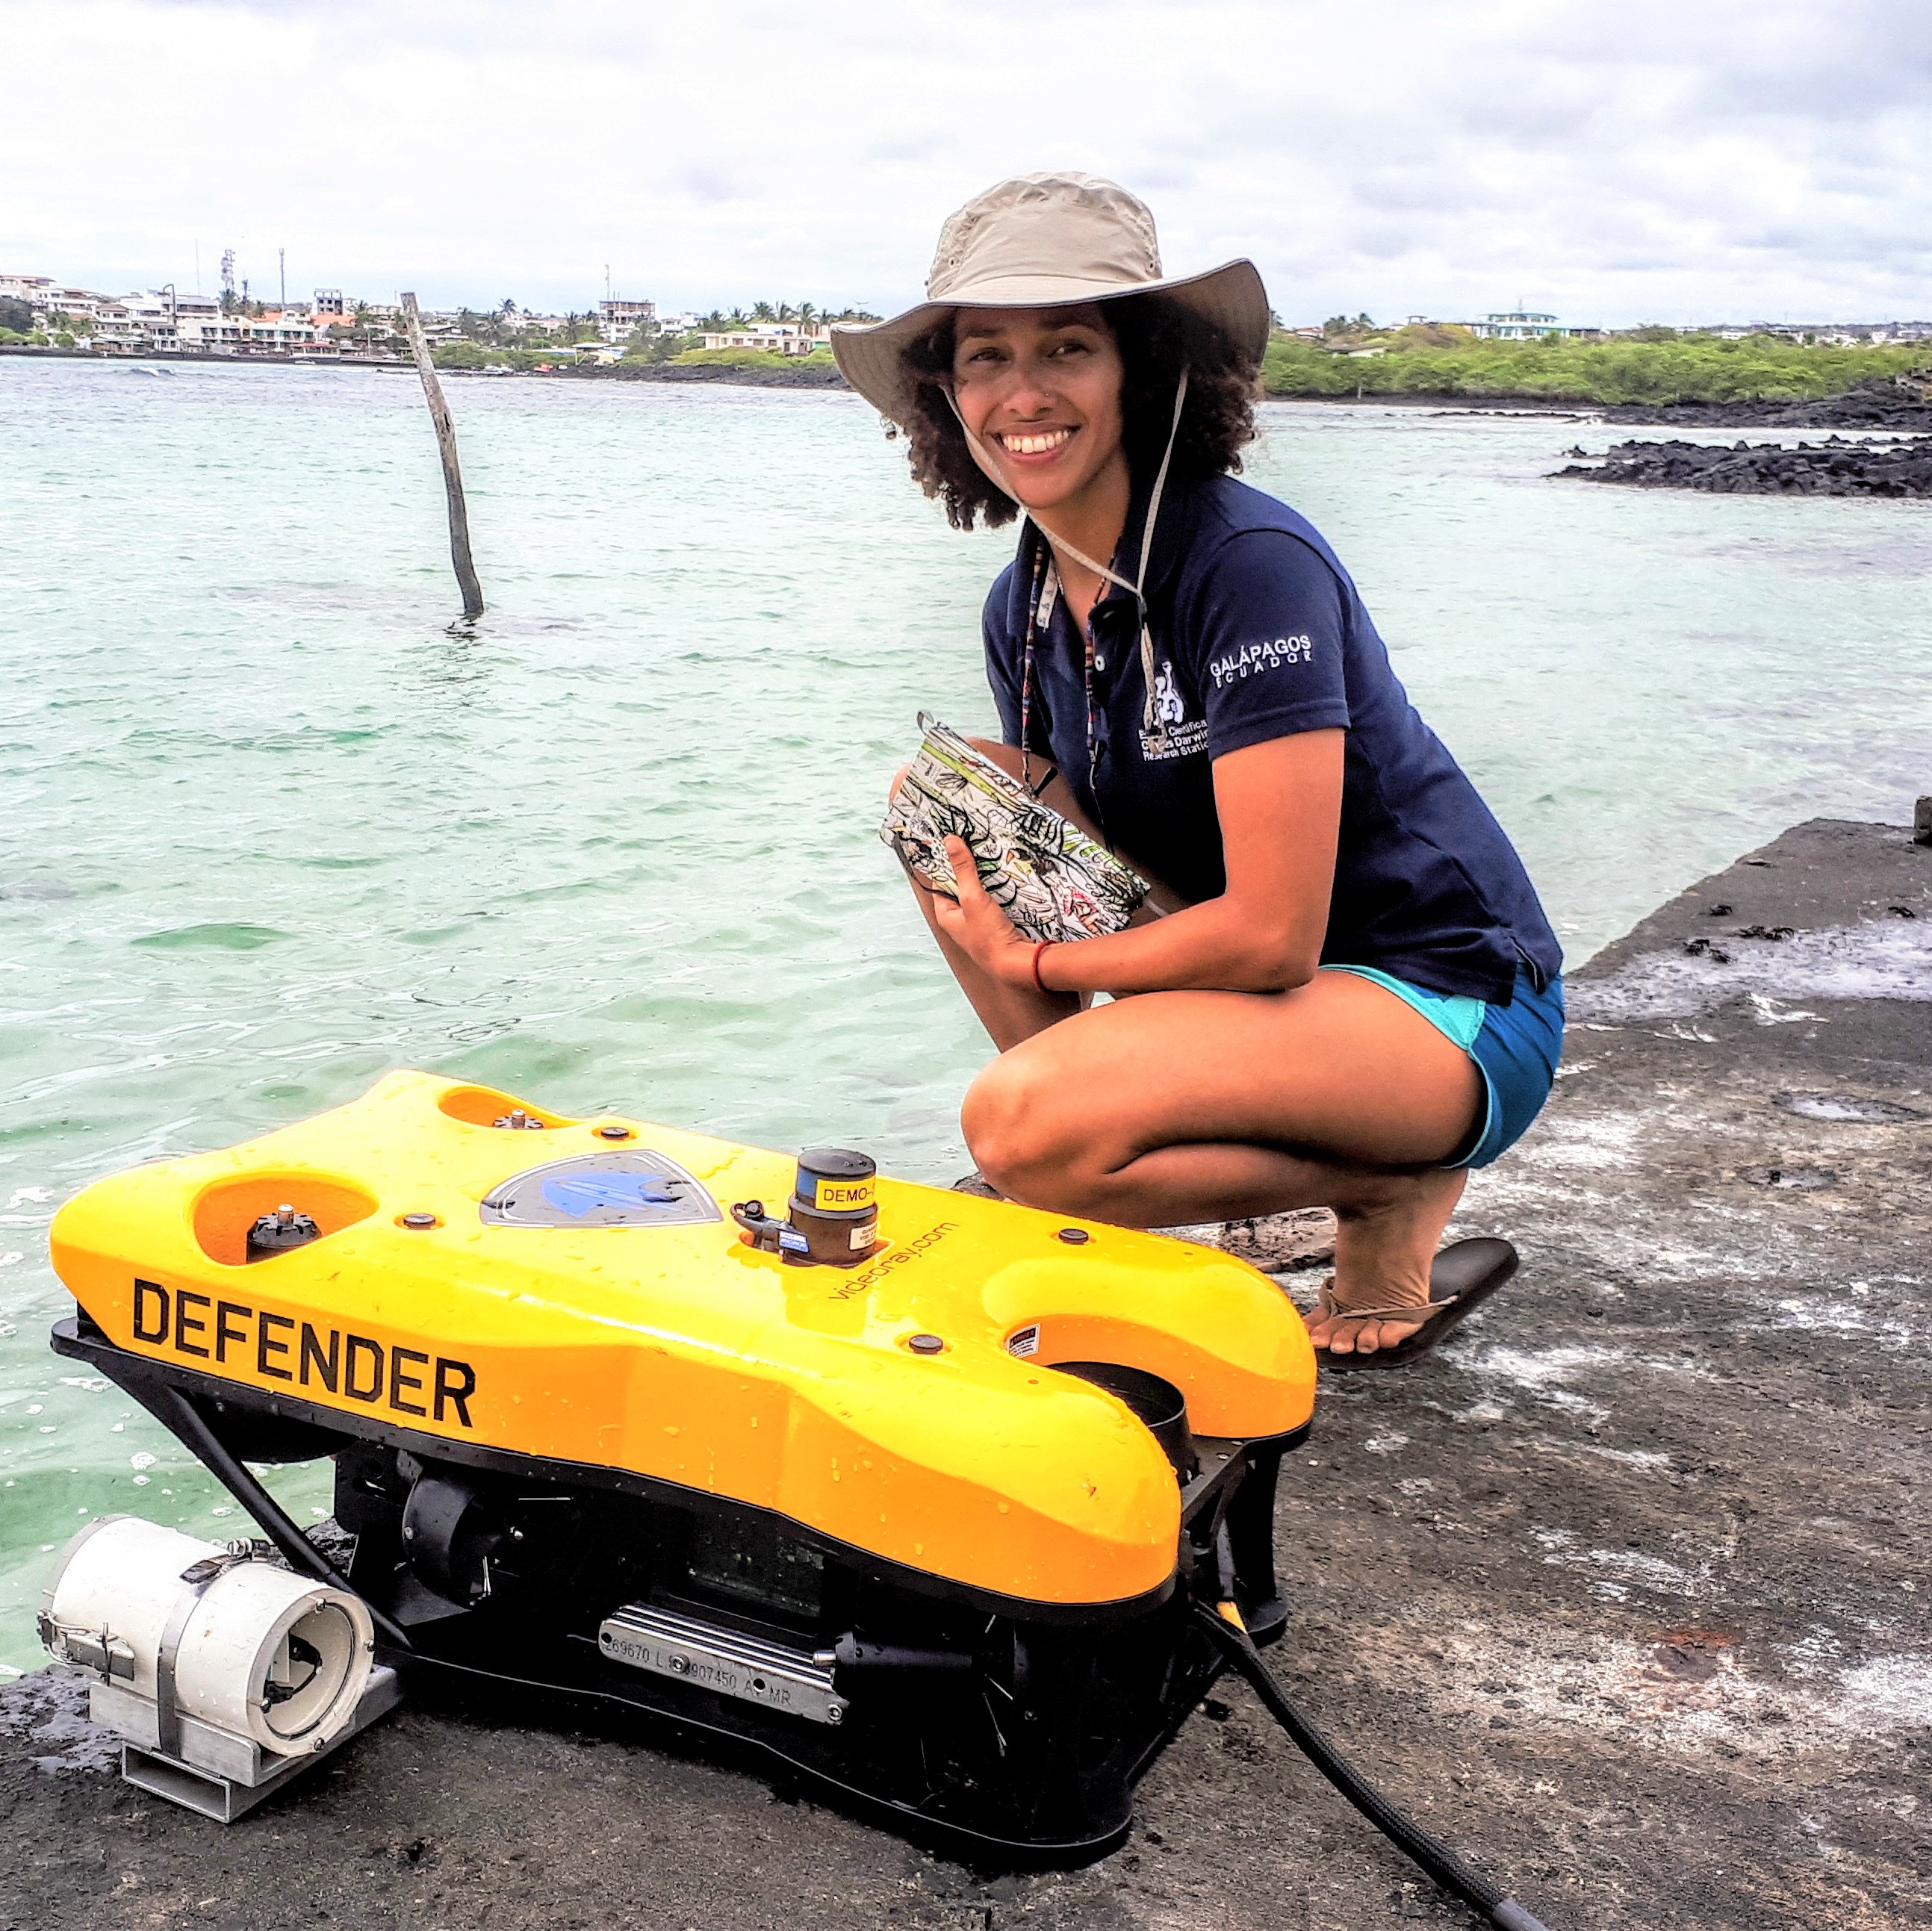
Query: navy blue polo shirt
{"x": 1259, "y": 633}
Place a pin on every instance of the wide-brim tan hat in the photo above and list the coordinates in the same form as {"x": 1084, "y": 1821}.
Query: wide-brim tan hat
{"x": 1038, "y": 242}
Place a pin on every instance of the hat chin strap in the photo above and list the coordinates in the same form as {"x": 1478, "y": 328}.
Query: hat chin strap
{"x": 1153, "y": 729}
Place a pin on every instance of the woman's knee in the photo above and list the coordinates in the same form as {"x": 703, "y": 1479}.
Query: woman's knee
{"x": 1016, "y": 1123}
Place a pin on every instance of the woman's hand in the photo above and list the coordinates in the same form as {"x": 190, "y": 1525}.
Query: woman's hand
{"x": 978, "y": 927}
{"x": 1279, "y": 803}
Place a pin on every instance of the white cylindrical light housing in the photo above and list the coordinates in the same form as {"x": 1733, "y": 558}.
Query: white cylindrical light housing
{"x": 257, "y": 1651}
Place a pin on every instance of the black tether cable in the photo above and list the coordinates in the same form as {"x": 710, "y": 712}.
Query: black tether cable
{"x": 187, "y": 1421}
{"x": 1435, "y": 1858}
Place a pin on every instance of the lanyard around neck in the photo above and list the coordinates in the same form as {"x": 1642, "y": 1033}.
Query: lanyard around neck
{"x": 1152, "y": 727}
{"x": 1045, "y": 594}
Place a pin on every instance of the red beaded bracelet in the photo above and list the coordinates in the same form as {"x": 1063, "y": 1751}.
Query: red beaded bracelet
{"x": 1037, "y": 950}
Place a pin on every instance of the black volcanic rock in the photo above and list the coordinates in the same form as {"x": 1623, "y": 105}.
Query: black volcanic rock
{"x": 1834, "y": 468}
{"x": 1880, "y": 402}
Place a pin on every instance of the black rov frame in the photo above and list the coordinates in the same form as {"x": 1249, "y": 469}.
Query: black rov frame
{"x": 984, "y": 1723}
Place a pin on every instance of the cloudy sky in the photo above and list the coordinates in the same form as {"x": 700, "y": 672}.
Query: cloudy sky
{"x": 1613, "y": 160}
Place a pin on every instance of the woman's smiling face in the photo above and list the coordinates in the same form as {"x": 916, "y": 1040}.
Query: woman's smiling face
{"x": 1039, "y": 390}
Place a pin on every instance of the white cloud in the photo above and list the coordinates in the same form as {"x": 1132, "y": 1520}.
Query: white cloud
{"x": 1719, "y": 158}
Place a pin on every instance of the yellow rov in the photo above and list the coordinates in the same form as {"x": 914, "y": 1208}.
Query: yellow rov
{"x": 913, "y": 1489}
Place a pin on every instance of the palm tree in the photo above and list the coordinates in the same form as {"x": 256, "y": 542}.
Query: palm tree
{"x": 787, "y": 313}
{"x": 761, "y": 311}
{"x": 808, "y": 317}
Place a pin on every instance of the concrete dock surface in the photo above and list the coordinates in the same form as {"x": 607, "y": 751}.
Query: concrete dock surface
{"x": 1625, "y": 1593}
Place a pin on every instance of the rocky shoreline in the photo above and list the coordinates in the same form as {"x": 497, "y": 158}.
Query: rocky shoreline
{"x": 1898, "y": 404}
{"x": 1836, "y": 467}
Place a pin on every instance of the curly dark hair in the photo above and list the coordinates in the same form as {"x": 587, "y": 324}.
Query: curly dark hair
{"x": 1157, "y": 339}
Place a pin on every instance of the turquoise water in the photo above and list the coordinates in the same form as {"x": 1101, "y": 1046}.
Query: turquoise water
{"x": 271, "y": 830}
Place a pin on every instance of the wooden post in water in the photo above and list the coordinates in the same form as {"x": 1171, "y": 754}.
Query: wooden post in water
{"x": 452, "y": 472}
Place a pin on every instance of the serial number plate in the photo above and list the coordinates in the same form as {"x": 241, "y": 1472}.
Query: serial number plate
{"x": 721, "y": 1661}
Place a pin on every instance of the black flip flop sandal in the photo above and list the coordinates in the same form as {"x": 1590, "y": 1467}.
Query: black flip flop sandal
{"x": 1461, "y": 1277}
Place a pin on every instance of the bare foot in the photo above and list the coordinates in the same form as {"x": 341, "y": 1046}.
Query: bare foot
{"x": 1383, "y": 1252}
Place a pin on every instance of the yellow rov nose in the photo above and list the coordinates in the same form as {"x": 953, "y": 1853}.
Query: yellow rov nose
{"x": 575, "y": 1292}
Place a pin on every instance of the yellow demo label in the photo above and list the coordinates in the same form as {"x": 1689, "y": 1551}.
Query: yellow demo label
{"x": 843, "y": 1196}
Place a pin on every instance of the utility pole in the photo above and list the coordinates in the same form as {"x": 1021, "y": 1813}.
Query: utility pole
{"x": 452, "y": 473}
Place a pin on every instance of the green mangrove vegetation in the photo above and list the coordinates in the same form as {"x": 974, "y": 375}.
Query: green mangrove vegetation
{"x": 1651, "y": 365}
{"x": 751, "y": 359}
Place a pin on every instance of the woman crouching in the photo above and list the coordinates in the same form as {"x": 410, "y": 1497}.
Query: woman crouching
{"x": 1353, "y": 996}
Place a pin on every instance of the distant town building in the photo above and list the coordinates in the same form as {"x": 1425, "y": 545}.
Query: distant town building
{"x": 26, "y": 288}
{"x": 616, "y": 319}
{"x": 49, "y": 299}
{"x": 139, "y": 322}
{"x": 165, "y": 321}
{"x": 1518, "y": 324}
{"x": 771, "y": 338}
{"x": 1830, "y": 334}
{"x": 1529, "y": 324}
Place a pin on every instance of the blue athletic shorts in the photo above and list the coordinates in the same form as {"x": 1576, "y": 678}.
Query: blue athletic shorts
{"x": 1516, "y": 1048}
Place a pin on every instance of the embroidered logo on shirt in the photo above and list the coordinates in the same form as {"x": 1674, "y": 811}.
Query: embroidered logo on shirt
{"x": 1168, "y": 707}
{"x": 1175, "y": 734}
{"x": 1252, "y": 659}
